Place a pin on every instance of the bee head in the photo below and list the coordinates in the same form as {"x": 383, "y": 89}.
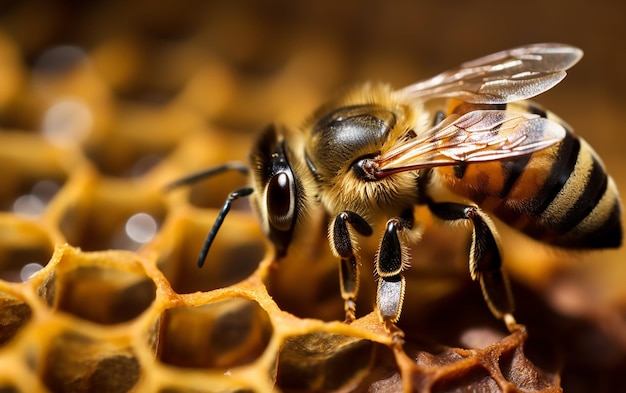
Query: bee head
{"x": 279, "y": 195}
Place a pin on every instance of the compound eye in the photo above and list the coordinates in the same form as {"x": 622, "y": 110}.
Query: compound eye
{"x": 281, "y": 201}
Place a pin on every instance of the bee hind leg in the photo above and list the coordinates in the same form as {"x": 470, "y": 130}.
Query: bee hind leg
{"x": 343, "y": 245}
{"x": 485, "y": 260}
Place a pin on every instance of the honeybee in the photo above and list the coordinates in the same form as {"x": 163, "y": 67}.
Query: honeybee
{"x": 465, "y": 143}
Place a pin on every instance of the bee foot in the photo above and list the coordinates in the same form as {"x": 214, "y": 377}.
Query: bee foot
{"x": 350, "y": 309}
{"x": 511, "y": 323}
{"x": 397, "y": 335}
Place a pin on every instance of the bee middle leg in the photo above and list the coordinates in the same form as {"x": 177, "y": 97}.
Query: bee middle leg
{"x": 391, "y": 260}
{"x": 343, "y": 245}
{"x": 485, "y": 260}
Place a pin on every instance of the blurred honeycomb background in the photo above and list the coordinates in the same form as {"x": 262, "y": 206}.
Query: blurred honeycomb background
{"x": 103, "y": 103}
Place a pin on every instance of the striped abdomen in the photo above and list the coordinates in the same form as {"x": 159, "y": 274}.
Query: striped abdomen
{"x": 560, "y": 195}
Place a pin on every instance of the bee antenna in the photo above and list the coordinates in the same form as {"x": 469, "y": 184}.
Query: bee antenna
{"x": 242, "y": 192}
{"x": 194, "y": 177}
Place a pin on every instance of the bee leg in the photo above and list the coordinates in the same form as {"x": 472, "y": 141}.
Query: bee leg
{"x": 485, "y": 260}
{"x": 390, "y": 262}
{"x": 342, "y": 244}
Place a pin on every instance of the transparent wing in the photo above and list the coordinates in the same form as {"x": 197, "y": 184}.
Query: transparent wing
{"x": 502, "y": 77}
{"x": 477, "y": 136}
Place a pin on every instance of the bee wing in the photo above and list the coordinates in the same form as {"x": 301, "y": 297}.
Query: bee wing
{"x": 502, "y": 77}
{"x": 477, "y": 136}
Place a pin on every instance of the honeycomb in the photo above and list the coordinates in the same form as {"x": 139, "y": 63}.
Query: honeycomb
{"x": 103, "y": 105}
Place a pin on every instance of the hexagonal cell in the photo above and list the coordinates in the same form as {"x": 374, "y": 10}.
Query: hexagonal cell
{"x": 306, "y": 284}
{"x": 14, "y": 314}
{"x": 223, "y": 334}
{"x": 474, "y": 378}
{"x": 234, "y": 256}
{"x": 213, "y": 191}
{"x": 101, "y": 294}
{"x": 134, "y": 160}
{"x": 114, "y": 214}
{"x": 80, "y": 363}
{"x": 140, "y": 138}
{"x": 207, "y": 151}
{"x": 519, "y": 371}
{"x": 25, "y": 247}
{"x": 306, "y": 281}
{"x": 37, "y": 172}
{"x": 151, "y": 71}
{"x": 322, "y": 361}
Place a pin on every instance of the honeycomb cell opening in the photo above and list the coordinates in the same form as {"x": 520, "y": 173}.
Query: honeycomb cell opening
{"x": 322, "y": 361}
{"x": 40, "y": 188}
{"x": 306, "y": 282}
{"x": 153, "y": 73}
{"x": 202, "y": 194}
{"x": 233, "y": 257}
{"x": 80, "y": 363}
{"x": 30, "y": 181}
{"x": 103, "y": 295}
{"x": 476, "y": 377}
{"x": 211, "y": 150}
{"x": 102, "y": 221}
{"x": 18, "y": 264}
{"x": 132, "y": 164}
{"x": 34, "y": 171}
{"x": 25, "y": 248}
{"x": 14, "y": 314}
{"x": 224, "y": 334}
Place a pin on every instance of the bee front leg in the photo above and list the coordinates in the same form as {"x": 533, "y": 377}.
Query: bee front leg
{"x": 343, "y": 246}
{"x": 485, "y": 261}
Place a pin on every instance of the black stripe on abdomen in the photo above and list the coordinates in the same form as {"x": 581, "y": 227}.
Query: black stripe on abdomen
{"x": 601, "y": 228}
{"x": 590, "y": 191}
{"x": 511, "y": 171}
{"x": 606, "y": 235}
{"x": 561, "y": 170}
{"x": 579, "y": 208}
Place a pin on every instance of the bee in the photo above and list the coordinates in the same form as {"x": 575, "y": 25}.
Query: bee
{"x": 466, "y": 143}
